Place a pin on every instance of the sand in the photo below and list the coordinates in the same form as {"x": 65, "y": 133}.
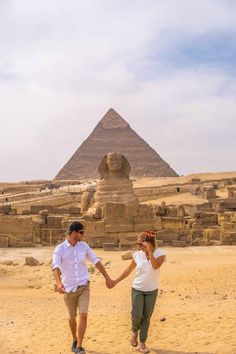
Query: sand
{"x": 197, "y": 297}
{"x": 164, "y": 181}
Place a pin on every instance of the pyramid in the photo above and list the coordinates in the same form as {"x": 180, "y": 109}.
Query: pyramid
{"x": 113, "y": 134}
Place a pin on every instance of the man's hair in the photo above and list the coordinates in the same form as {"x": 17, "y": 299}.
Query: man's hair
{"x": 75, "y": 226}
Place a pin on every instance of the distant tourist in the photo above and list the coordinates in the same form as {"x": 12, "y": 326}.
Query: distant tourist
{"x": 72, "y": 278}
{"x": 144, "y": 290}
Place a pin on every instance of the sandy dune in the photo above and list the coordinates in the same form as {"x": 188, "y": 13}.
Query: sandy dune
{"x": 197, "y": 297}
{"x": 162, "y": 181}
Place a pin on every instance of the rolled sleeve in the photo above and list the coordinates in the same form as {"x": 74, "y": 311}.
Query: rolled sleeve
{"x": 56, "y": 258}
{"x": 134, "y": 255}
{"x": 91, "y": 256}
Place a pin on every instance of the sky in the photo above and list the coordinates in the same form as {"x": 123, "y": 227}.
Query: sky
{"x": 167, "y": 67}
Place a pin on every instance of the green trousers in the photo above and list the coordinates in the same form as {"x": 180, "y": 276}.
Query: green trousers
{"x": 143, "y": 303}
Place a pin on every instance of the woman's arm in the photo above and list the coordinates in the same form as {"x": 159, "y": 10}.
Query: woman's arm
{"x": 155, "y": 262}
{"x": 126, "y": 272}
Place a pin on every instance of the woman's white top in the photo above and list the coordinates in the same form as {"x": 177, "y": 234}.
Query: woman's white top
{"x": 146, "y": 277}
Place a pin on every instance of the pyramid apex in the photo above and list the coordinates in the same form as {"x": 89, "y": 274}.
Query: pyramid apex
{"x": 113, "y": 120}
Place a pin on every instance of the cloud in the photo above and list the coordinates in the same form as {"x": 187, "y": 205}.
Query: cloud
{"x": 167, "y": 68}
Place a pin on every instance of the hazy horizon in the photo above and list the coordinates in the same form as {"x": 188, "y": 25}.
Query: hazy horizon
{"x": 168, "y": 68}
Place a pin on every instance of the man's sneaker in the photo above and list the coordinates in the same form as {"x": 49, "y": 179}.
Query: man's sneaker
{"x": 74, "y": 346}
{"x": 80, "y": 350}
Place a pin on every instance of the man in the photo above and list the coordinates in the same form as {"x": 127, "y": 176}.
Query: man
{"x": 72, "y": 278}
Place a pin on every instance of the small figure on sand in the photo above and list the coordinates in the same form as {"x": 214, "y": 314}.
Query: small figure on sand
{"x": 72, "y": 278}
{"x": 147, "y": 262}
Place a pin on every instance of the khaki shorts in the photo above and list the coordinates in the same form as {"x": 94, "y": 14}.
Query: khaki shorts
{"x": 79, "y": 299}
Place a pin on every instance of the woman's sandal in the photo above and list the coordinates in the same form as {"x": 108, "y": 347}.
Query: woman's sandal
{"x": 134, "y": 339}
{"x": 143, "y": 348}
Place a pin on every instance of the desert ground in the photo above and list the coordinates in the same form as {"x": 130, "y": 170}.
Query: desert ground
{"x": 197, "y": 298}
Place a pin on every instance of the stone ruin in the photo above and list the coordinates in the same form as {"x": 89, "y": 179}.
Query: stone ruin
{"x": 114, "y": 212}
{"x": 115, "y": 185}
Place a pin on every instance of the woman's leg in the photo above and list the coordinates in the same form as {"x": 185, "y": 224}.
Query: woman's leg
{"x": 137, "y": 309}
{"x": 149, "y": 304}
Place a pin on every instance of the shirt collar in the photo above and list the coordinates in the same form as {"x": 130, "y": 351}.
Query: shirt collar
{"x": 68, "y": 243}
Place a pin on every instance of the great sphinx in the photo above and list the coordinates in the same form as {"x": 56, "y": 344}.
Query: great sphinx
{"x": 115, "y": 185}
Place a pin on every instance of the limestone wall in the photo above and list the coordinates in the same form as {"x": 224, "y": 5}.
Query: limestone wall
{"x": 16, "y": 231}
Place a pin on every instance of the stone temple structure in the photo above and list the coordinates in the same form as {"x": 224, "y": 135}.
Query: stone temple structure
{"x": 113, "y": 133}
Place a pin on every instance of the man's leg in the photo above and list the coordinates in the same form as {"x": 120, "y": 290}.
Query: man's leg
{"x": 71, "y": 302}
{"x": 83, "y": 305}
{"x": 73, "y": 328}
{"x": 81, "y": 328}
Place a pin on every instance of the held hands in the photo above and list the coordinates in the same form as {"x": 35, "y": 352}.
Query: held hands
{"x": 110, "y": 283}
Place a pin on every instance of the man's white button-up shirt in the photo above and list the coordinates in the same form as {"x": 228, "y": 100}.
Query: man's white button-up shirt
{"x": 71, "y": 260}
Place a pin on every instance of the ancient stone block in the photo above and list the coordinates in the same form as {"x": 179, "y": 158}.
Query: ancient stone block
{"x": 54, "y": 221}
{"x": 143, "y": 227}
{"x": 86, "y": 200}
{"x": 145, "y": 210}
{"x": 43, "y": 213}
{"x": 131, "y": 210}
{"x": 229, "y": 225}
{"x": 206, "y": 218}
{"x": 15, "y": 224}
{"x": 172, "y": 211}
{"x": 196, "y": 233}
{"x": 5, "y": 209}
{"x": 167, "y": 236}
{"x": 96, "y": 242}
{"x": 74, "y": 210}
{"x": 160, "y": 210}
{"x": 157, "y": 223}
{"x": 94, "y": 229}
{"x": 179, "y": 243}
{"x": 183, "y": 232}
{"x": 128, "y": 237}
{"x": 148, "y": 219}
{"x": 98, "y": 214}
{"x": 180, "y": 211}
{"x": 212, "y": 234}
{"x": 127, "y": 246}
{"x": 173, "y": 223}
{"x": 127, "y": 255}
{"x": 110, "y": 246}
{"x": 119, "y": 224}
{"x": 228, "y": 238}
{"x": 31, "y": 261}
{"x": 113, "y": 210}
{"x": 35, "y": 209}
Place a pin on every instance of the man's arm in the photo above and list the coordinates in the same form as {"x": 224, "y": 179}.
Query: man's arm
{"x": 56, "y": 263}
{"x": 57, "y": 275}
{"x": 109, "y": 282}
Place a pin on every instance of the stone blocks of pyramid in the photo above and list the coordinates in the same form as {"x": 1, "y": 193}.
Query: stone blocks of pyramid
{"x": 113, "y": 134}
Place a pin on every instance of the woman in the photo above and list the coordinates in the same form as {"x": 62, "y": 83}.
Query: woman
{"x": 145, "y": 286}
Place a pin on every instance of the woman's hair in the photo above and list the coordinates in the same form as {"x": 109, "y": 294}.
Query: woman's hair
{"x": 148, "y": 236}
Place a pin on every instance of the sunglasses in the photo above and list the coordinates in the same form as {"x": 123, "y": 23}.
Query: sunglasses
{"x": 81, "y": 232}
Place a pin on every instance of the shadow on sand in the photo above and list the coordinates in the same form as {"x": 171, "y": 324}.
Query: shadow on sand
{"x": 153, "y": 350}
